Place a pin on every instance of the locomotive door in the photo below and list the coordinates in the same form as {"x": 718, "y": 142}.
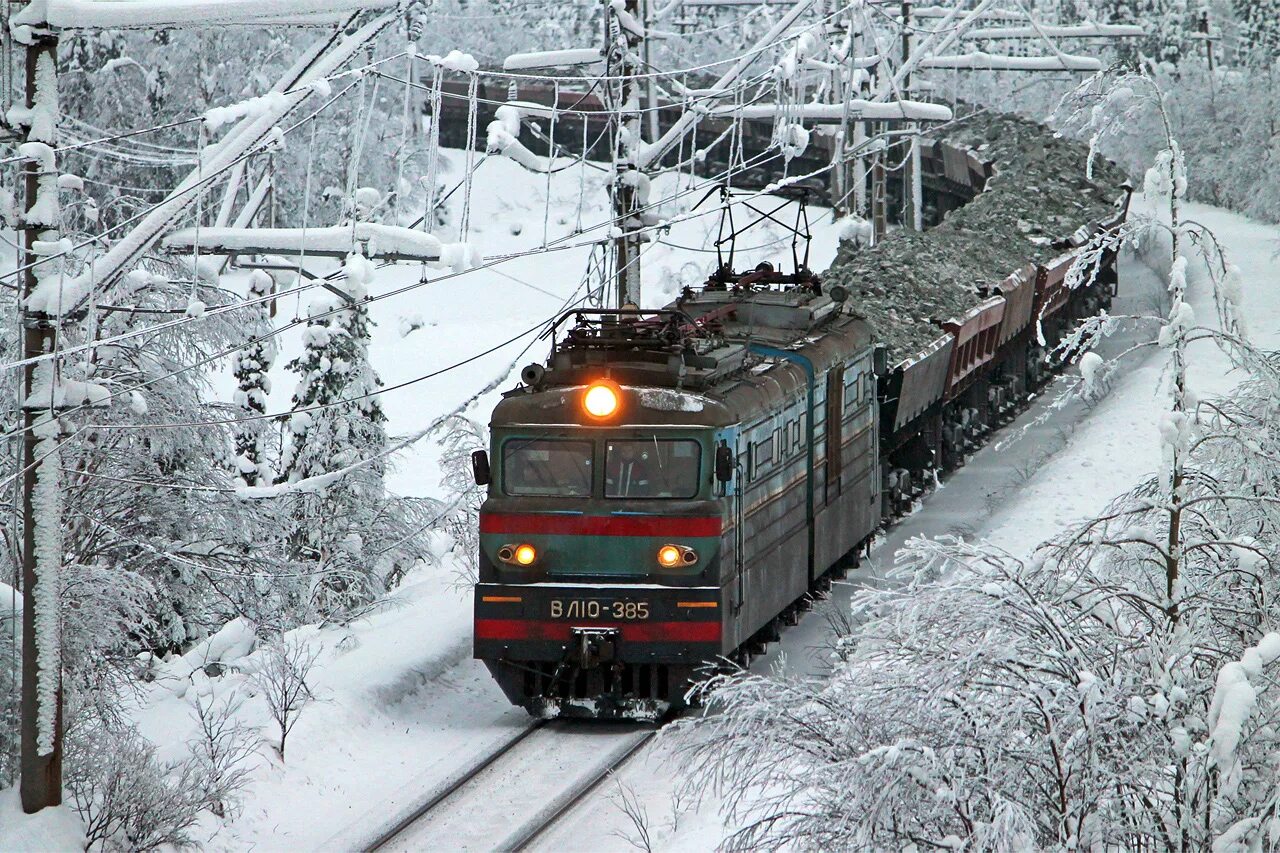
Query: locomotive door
{"x": 739, "y": 539}
{"x": 834, "y": 416}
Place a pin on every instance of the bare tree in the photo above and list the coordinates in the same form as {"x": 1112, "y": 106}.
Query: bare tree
{"x": 629, "y": 804}
{"x": 282, "y": 683}
{"x": 221, "y": 749}
{"x": 127, "y": 798}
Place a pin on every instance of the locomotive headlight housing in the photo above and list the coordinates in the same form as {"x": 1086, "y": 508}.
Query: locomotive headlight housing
{"x": 602, "y": 399}
{"x": 671, "y": 556}
{"x": 518, "y": 555}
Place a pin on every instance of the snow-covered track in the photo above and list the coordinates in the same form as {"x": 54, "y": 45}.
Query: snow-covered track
{"x": 447, "y": 788}
{"x": 524, "y": 837}
{"x": 517, "y": 791}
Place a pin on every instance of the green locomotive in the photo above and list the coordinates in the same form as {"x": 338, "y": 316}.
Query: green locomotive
{"x": 670, "y": 486}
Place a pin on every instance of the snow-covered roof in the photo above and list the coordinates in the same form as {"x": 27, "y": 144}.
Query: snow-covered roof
{"x": 124, "y": 14}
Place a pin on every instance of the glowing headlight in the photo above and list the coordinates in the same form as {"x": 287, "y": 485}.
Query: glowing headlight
{"x": 520, "y": 555}
{"x": 600, "y": 400}
{"x": 670, "y": 556}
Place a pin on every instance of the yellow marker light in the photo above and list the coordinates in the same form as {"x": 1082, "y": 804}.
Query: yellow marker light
{"x": 525, "y": 555}
{"x": 669, "y": 556}
{"x": 601, "y": 400}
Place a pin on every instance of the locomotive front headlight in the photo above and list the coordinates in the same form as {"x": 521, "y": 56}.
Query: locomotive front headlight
{"x": 668, "y": 556}
{"x": 601, "y": 399}
{"x": 518, "y": 555}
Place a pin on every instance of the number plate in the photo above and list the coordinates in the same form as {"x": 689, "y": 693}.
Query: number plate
{"x": 599, "y": 608}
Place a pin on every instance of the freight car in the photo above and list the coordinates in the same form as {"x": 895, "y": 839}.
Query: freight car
{"x": 672, "y": 486}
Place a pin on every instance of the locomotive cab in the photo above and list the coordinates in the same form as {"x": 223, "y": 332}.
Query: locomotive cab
{"x": 624, "y": 478}
{"x": 599, "y": 548}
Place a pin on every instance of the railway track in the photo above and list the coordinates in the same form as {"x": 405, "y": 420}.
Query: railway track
{"x": 515, "y": 793}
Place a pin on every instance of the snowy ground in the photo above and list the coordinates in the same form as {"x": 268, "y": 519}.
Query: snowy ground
{"x": 400, "y": 703}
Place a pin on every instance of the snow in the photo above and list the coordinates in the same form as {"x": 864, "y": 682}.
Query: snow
{"x": 987, "y": 61}
{"x": 552, "y": 59}
{"x": 859, "y": 108}
{"x": 669, "y": 400}
{"x": 232, "y": 642}
{"x": 51, "y": 830}
{"x": 261, "y": 105}
{"x": 1089, "y": 30}
{"x": 375, "y": 239}
{"x": 454, "y": 60}
{"x": 46, "y": 502}
{"x": 855, "y": 229}
{"x": 53, "y": 392}
{"x": 116, "y": 14}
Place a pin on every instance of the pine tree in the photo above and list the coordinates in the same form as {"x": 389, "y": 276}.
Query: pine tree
{"x": 1168, "y": 24}
{"x": 250, "y": 366}
{"x": 337, "y": 422}
{"x": 327, "y": 434}
{"x": 1261, "y": 22}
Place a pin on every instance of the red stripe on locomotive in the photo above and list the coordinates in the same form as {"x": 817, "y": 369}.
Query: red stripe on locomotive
{"x": 598, "y": 525}
{"x": 637, "y": 632}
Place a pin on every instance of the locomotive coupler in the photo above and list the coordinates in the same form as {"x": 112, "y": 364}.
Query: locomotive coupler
{"x": 593, "y": 646}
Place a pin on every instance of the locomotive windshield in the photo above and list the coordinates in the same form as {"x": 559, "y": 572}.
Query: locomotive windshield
{"x": 652, "y": 468}
{"x": 547, "y": 466}
{"x": 635, "y": 468}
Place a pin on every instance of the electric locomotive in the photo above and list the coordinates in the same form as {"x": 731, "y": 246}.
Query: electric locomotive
{"x": 668, "y": 486}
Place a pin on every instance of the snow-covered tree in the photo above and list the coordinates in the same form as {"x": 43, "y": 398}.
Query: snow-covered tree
{"x": 461, "y": 518}
{"x": 1115, "y": 690}
{"x": 251, "y": 365}
{"x": 1261, "y": 25}
{"x": 1169, "y": 25}
{"x": 342, "y": 526}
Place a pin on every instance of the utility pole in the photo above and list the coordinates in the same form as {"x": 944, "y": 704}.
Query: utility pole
{"x": 651, "y": 82}
{"x": 41, "y": 748}
{"x": 879, "y": 199}
{"x": 1203, "y": 26}
{"x": 624, "y": 32}
{"x": 911, "y": 191}
{"x": 857, "y": 171}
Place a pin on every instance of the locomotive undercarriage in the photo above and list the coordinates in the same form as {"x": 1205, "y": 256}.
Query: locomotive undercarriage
{"x": 589, "y": 682}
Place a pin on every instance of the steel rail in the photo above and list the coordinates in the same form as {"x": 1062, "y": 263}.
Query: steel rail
{"x": 452, "y": 786}
{"x": 523, "y": 837}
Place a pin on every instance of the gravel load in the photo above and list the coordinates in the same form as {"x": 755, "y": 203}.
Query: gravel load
{"x": 910, "y": 282}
